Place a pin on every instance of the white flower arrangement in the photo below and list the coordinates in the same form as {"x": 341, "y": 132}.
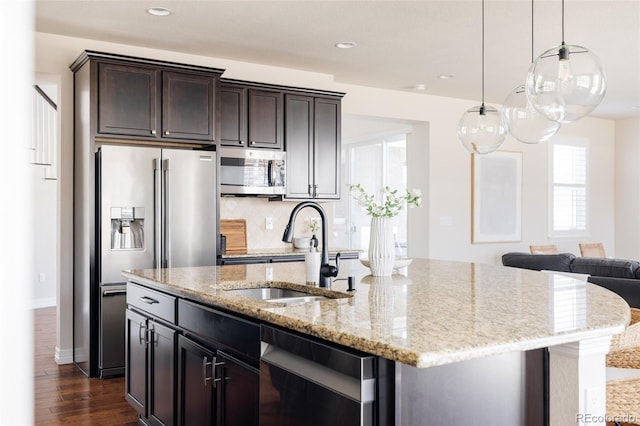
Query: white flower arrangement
{"x": 392, "y": 202}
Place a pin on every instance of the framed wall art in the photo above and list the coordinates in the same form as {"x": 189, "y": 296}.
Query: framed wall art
{"x": 496, "y": 197}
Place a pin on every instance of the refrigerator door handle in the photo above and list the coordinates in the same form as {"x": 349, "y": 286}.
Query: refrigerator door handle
{"x": 157, "y": 227}
{"x": 166, "y": 221}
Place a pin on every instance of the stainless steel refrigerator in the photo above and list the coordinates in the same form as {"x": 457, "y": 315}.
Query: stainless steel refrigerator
{"x": 154, "y": 208}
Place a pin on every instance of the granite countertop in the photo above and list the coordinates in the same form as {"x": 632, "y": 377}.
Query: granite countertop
{"x": 282, "y": 251}
{"x": 431, "y": 313}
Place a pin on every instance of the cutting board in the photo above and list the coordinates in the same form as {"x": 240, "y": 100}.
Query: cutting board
{"x": 236, "y": 232}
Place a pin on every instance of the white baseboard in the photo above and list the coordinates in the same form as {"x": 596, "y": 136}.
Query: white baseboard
{"x": 63, "y": 356}
{"x": 44, "y": 303}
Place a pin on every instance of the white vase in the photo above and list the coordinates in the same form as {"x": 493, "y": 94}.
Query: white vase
{"x": 381, "y": 247}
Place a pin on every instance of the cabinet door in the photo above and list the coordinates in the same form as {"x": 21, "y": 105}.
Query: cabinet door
{"x": 188, "y": 106}
{"x": 127, "y": 100}
{"x": 195, "y": 383}
{"x": 233, "y": 116}
{"x": 265, "y": 119}
{"x": 136, "y": 361}
{"x": 238, "y": 392}
{"x": 299, "y": 145}
{"x": 326, "y": 174}
{"x": 162, "y": 378}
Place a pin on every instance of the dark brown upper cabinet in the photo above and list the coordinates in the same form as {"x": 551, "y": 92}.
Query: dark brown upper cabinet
{"x": 127, "y": 100}
{"x": 265, "y": 119}
{"x": 313, "y": 143}
{"x": 233, "y": 115}
{"x": 188, "y": 110}
{"x": 147, "y": 100}
{"x": 250, "y": 117}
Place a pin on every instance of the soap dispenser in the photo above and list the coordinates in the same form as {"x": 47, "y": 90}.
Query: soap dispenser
{"x": 312, "y": 263}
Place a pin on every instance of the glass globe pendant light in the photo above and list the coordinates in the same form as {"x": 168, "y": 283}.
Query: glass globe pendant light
{"x": 566, "y": 82}
{"x": 524, "y": 122}
{"x": 481, "y": 128}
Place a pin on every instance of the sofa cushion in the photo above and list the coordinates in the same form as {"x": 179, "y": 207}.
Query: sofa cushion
{"x": 538, "y": 262}
{"x": 616, "y": 268}
{"x": 628, "y": 289}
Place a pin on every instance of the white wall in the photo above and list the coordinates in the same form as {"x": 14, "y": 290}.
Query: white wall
{"x": 439, "y": 155}
{"x": 44, "y": 228}
{"x": 627, "y": 177}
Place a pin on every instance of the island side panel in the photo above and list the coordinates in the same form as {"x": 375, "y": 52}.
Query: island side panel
{"x": 504, "y": 389}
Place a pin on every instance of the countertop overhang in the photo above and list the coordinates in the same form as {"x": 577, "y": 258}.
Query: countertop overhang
{"x": 431, "y": 313}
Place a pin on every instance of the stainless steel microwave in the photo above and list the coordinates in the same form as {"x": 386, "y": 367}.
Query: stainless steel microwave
{"x": 252, "y": 172}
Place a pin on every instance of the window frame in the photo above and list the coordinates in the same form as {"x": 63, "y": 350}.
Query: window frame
{"x": 573, "y": 233}
{"x": 384, "y": 140}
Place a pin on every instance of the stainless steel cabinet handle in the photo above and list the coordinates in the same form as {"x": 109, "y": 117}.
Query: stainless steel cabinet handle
{"x": 147, "y": 300}
{"x": 205, "y": 364}
{"x": 166, "y": 132}
{"x": 240, "y": 142}
{"x": 252, "y": 142}
{"x": 140, "y": 334}
{"x": 216, "y": 379}
{"x": 153, "y": 132}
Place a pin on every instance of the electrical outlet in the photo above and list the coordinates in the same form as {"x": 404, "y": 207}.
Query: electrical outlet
{"x": 268, "y": 275}
{"x": 268, "y": 223}
{"x": 42, "y": 277}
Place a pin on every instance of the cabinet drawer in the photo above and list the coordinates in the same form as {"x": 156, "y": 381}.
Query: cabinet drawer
{"x": 157, "y": 304}
{"x": 238, "y": 336}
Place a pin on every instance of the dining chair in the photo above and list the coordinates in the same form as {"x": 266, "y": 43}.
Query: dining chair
{"x": 623, "y": 394}
{"x": 544, "y": 249}
{"x": 591, "y": 250}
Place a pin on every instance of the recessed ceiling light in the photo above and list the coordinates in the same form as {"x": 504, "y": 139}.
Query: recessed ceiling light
{"x": 419, "y": 86}
{"x": 159, "y": 11}
{"x": 446, "y": 76}
{"x": 346, "y": 45}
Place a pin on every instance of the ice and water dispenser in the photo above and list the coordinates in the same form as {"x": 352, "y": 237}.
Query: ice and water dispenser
{"x": 127, "y": 228}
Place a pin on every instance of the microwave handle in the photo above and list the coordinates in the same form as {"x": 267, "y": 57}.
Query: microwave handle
{"x": 271, "y": 173}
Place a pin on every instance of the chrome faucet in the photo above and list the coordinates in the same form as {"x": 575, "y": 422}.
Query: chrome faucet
{"x": 326, "y": 271}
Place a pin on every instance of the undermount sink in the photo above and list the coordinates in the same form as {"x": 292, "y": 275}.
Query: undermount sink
{"x": 278, "y": 295}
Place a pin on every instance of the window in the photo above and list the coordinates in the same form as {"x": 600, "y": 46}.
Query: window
{"x": 568, "y": 191}
{"x": 373, "y": 163}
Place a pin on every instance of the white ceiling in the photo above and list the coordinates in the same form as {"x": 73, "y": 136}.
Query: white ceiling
{"x": 400, "y": 43}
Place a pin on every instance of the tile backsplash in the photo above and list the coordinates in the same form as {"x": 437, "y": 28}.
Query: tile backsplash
{"x": 255, "y": 210}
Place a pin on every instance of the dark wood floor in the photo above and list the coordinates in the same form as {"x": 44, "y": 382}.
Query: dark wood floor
{"x": 63, "y": 395}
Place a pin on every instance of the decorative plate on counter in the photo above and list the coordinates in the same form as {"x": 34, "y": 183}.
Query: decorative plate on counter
{"x": 397, "y": 263}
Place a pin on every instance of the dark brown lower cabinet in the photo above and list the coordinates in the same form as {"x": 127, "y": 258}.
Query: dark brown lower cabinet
{"x": 196, "y": 403}
{"x": 239, "y": 394}
{"x": 215, "y": 388}
{"x": 189, "y": 364}
{"x": 150, "y": 374}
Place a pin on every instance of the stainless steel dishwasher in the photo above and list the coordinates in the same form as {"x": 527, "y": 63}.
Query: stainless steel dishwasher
{"x": 304, "y": 382}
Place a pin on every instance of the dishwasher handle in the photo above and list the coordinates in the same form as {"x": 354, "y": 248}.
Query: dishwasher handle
{"x": 114, "y": 292}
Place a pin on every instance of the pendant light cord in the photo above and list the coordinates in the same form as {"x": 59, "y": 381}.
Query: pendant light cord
{"x": 563, "y": 22}
{"x": 532, "y": 31}
{"x": 483, "y": 56}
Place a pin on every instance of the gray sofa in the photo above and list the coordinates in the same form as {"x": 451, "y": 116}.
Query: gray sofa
{"x": 618, "y": 275}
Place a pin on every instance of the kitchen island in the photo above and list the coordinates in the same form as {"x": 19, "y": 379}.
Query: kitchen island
{"x": 443, "y": 324}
